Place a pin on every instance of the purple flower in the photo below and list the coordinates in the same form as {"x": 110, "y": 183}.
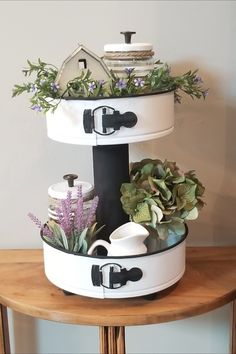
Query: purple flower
{"x": 205, "y": 93}
{"x": 33, "y": 88}
{"x": 79, "y": 191}
{"x": 91, "y": 216}
{"x": 54, "y": 87}
{"x": 78, "y": 218}
{"x": 65, "y": 215}
{"x": 129, "y": 71}
{"x": 101, "y": 82}
{"x": 66, "y": 208}
{"x": 197, "y": 80}
{"x": 35, "y": 220}
{"x": 121, "y": 84}
{"x": 44, "y": 228}
{"x": 139, "y": 82}
{"x": 36, "y": 108}
{"x": 46, "y": 231}
{"x": 91, "y": 86}
{"x": 59, "y": 215}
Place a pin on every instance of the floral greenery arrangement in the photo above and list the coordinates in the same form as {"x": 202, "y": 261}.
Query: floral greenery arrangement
{"x": 75, "y": 231}
{"x": 44, "y": 89}
{"x": 161, "y": 196}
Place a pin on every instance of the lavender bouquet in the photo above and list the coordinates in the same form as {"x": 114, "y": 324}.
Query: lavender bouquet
{"x": 75, "y": 229}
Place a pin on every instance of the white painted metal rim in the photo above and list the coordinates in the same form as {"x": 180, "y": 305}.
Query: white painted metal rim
{"x": 155, "y": 114}
{"x": 111, "y": 141}
{"x": 72, "y": 272}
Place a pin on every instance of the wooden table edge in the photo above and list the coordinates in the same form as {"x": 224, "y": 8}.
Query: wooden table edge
{"x": 118, "y": 320}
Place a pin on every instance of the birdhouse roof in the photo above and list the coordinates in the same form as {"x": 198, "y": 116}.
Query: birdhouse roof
{"x": 82, "y": 48}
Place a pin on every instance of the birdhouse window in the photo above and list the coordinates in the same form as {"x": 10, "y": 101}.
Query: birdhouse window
{"x": 82, "y": 63}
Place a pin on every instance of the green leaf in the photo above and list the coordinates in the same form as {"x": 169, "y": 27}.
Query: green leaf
{"x": 153, "y": 219}
{"x": 58, "y": 242}
{"x": 153, "y": 185}
{"x": 178, "y": 179}
{"x": 58, "y": 234}
{"x": 178, "y": 228}
{"x": 158, "y": 212}
{"x": 180, "y": 202}
{"x": 186, "y": 191}
{"x": 142, "y": 214}
{"x": 162, "y": 230}
{"x": 163, "y": 189}
{"x": 158, "y": 202}
{"x": 192, "y": 215}
{"x": 147, "y": 169}
{"x": 49, "y": 239}
{"x": 54, "y": 228}
{"x": 84, "y": 247}
{"x": 82, "y": 238}
{"x": 159, "y": 170}
{"x": 130, "y": 198}
{"x": 127, "y": 189}
{"x": 71, "y": 241}
{"x": 64, "y": 239}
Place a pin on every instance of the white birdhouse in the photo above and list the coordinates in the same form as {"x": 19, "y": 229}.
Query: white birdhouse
{"x": 81, "y": 59}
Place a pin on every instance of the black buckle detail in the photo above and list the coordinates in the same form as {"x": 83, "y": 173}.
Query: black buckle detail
{"x": 114, "y": 120}
{"x": 115, "y": 279}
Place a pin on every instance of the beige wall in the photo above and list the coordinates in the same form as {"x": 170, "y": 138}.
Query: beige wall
{"x": 186, "y": 34}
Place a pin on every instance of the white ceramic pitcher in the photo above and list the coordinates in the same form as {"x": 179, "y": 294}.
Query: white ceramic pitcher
{"x": 126, "y": 240}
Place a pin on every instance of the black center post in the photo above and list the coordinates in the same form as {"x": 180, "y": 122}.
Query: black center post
{"x": 111, "y": 169}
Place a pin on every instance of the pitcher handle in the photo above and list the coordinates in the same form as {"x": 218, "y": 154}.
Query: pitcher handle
{"x": 98, "y": 243}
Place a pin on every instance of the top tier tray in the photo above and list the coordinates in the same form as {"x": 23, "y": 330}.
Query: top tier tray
{"x": 81, "y": 121}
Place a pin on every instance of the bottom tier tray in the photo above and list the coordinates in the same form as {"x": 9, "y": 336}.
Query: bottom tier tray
{"x": 117, "y": 277}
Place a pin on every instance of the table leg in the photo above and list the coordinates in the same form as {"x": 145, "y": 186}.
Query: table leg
{"x": 233, "y": 350}
{"x": 112, "y": 340}
{"x": 4, "y": 332}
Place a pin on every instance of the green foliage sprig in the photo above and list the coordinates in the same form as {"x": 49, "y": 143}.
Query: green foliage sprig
{"x": 44, "y": 88}
{"x": 161, "y": 196}
{"x": 85, "y": 86}
{"x": 76, "y": 242}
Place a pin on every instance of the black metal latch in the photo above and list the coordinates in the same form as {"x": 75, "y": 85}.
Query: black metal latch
{"x": 112, "y": 120}
{"x": 113, "y": 276}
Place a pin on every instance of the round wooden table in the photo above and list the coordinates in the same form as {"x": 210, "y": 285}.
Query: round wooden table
{"x": 209, "y": 282}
